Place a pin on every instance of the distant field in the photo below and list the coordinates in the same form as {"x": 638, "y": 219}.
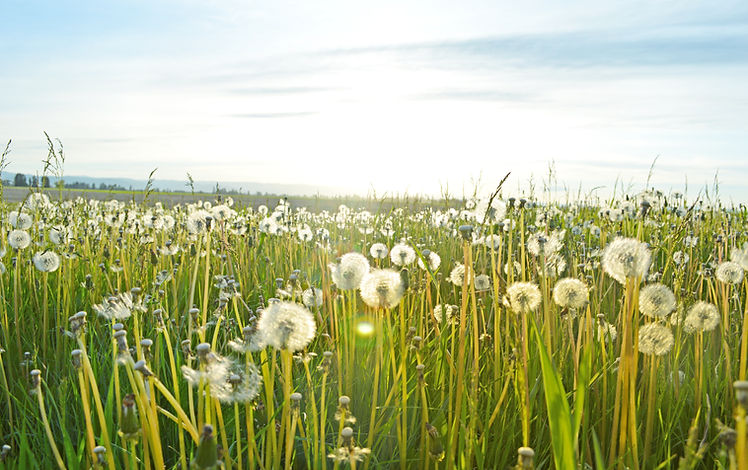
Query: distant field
{"x": 16, "y": 194}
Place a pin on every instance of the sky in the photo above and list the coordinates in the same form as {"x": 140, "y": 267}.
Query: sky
{"x": 400, "y": 96}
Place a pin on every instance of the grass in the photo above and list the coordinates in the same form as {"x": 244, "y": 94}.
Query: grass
{"x": 381, "y": 387}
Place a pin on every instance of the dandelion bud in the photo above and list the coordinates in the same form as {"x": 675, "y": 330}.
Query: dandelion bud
{"x": 203, "y": 349}
{"x": 75, "y": 355}
{"x": 295, "y": 403}
{"x": 5, "y": 452}
{"x": 420, "y": 368}
{"x": 206, "y": 455}
{"x": 344, "y": 400}
{"x": 129, "y": 427}
{"x": 741, "y": 392}
{"x": 193, "y": 312}
{"x": 141, "y": 367}
{"x": 347, "y": 435}
{"x": 145, "y": 346}
{"x": 466, "y": 231}
{"x": 279, "y": 283}
{"x": 186, "y": 348}
{"x": 118, "y": 326}
{"x": 415, "y": 343}
{"x": 436, "y": 450}
{"x": 100, "y": 452}
{"x": 135, "y": 291}
{"x": 36, "y": 379}
{"x": 525, "y": 458}
{"x": 121, "y": 338}
{"x": 89, "y": 282}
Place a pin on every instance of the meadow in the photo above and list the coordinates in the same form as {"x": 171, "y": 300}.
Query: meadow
{"x": 498, "y": 332}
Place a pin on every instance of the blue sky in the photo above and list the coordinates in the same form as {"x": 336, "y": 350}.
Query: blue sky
{"x": 397, "y": 96}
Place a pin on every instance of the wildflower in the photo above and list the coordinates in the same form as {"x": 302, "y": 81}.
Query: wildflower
{"x": 118, "y": 307}
{"x": 492, "y": 242}
{"x": 656, "y": 301}
{"x": 348, "y": 452}
{"x": 46, "y": 261}
{"x": 457, "y": 275}
{"x": 243, "y": 385}
{"x": 402, "y": 255}
{"x": 523, "y": 297}
{"x": 444, "y": 310}
{"x": 570, "y": 293}
{"x": 740, "y": 256}
{"x": 129, "y": 427}
{"x": 482, "y": 282}
{"x": 378, "y": 251}
{"x": 488, "y": 209}
{"x": 348, "y": 273}
{"x": 286, "y": 325}
{"x": 206, "y": 455}
{"x": 680, "y": 257}
{"x": 382, "y": 288}
{"x": 626, "y": 258}
{"x": 19, "y": 239}
{"x": 20, "y": 220}
{"x": 436, "y": 449}
{"x": 702, "y": 316}
{"x": 655, "y": 339}
{"x": 312, "y": 297}
{"x": 433, "y": 260}
{"x": 252, "y": 341}
{"x": 549, "y": 245}
{"x": 525, "y": 458}
{"x": 343, "y": 413}
{"x": 606, "y": 331}
{"x": 198, "y": 222}
{"x": 729, "y": 273}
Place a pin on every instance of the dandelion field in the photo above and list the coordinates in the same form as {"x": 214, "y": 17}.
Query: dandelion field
{"x": 497, "y": 332}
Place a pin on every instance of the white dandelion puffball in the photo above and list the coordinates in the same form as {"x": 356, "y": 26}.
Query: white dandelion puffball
{"x": 378, "y": 251}
{"x": 402, "y": 255}
{"x": 655, "y": 339}
{"x": 19, "y": 239}
{"x": 382, "y": 288}
{"x": 729, "y": 272}
{"x": 626, "y": 258}
{"x": 523, "y": 297}
{"x": 656, "y": 300}
{"x": 433, "y": 260}
{"x": 348, "y": 273}
{"x": 20, "y": 220}
{"x": 286, "y": 325}
{"x": 702, "y": 316}
{"x": 46, "y": 261}
{"x": 570, "y": 293}
{"x": 312, "y": 297}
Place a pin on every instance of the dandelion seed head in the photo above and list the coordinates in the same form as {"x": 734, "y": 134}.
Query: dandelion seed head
{"x": 655, "y": 339}
{"x": 348, "y": 273}
{"x": 19, "y": 239}
{"x": 570, "y": 293}
{"x": 482, "y": 282}
{"x": 402, "y": 255}
{"x": 312, "y": 297}
{"x": 433, "y": 260}
{"x": 523, "y": 297}
{"x": 626, "y": 258}
{"x": 286, "y": 325}
{"x": 656, "y": 300}
{"x": 702, "y": 316}
{"x": 379, "y": 251}
{"x": 729, "y": 272}
{"x": 445, "y": 311}
{"x": 382, "y": 288}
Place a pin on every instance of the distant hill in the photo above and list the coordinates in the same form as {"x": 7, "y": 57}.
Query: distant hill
{"x": 200, "y": 186}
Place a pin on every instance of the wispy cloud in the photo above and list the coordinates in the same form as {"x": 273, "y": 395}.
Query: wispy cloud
{"x": 273, "y": 115}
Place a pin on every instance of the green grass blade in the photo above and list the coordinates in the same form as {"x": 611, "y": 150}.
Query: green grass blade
{"x": 559, "y": 415}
